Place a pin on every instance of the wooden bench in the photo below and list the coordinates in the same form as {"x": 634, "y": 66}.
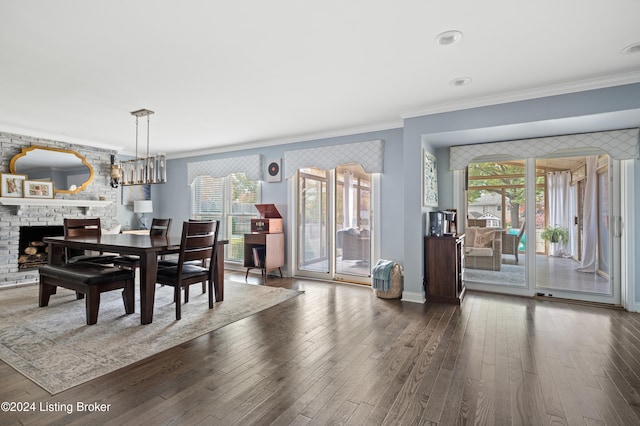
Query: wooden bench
{"x": 87, "y": 279}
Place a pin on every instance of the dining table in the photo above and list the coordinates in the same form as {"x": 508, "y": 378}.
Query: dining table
{"x": 147, "y": 248}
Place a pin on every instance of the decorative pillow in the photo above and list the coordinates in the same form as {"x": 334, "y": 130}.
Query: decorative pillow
{"x": 484, "y": 237}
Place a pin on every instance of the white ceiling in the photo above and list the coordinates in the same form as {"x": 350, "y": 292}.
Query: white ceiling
{"x": 245, "y": 73}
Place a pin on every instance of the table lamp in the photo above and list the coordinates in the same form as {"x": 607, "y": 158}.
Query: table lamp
{"x": 142, "y": 207}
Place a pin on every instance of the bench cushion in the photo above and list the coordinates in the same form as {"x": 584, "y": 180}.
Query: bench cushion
{"x": 86, "y": 273}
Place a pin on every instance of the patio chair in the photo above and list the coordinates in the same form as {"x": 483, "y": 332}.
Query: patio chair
{"x": 510, "y": 242}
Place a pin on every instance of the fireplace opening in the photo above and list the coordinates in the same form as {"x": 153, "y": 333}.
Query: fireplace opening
{"x": 32, "y": 250}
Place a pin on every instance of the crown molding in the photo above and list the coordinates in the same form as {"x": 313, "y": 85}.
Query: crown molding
{"x": 396, "y": 124}
{"x": 55, "y": 137}
{"x": 523, "y": 95}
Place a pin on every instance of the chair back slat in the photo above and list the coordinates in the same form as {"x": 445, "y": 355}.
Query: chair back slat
{"x": 199, "y": 240}
{"x": 197, "y": 254}
{"x": 82, "y": 227}
{"x": 201, "y": 226}
{"x": 160, "y": 227}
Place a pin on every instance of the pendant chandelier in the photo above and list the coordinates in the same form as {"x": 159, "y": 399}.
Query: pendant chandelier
{"x": 144, "y": 170}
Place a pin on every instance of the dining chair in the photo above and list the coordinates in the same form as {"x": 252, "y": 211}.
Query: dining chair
{"x": 198, "y": 243}
{"x": 159, "y": 228}
{"x": 85, "y": 227}
{"x": 173, "y": 261}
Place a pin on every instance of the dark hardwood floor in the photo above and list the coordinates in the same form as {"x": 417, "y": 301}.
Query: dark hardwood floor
{"x": 339, "y": 355}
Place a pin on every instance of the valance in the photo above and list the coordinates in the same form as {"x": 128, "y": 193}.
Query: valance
{"x": 250, "y": 165}
{"x": 370, "y": 155}
{"x": 619, "y": 144}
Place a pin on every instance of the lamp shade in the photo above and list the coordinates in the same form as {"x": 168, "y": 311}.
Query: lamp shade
{"x": 143, "y": 206}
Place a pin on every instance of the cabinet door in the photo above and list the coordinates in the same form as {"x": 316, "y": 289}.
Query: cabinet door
{"x": 275, "y": 251}
{"x": 441, "y": 268}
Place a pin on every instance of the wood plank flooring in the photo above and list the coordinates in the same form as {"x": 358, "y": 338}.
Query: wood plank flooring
{"x": 339, "y": 355}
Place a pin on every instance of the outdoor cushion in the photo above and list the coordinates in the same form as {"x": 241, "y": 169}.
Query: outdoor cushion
{"x": 479, "y": 251}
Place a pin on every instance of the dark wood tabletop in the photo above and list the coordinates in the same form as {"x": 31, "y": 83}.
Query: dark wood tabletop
{"x": 120, "y": 243}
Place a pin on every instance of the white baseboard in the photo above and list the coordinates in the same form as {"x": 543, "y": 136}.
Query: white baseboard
{"x": 409, "y": 296}
{"x": 633, "y": 307}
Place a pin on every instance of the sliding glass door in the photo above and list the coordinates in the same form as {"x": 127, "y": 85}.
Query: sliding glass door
{"x": 334, "y": 224}
{"x": 313, "y": 227}
{"x": 576, "y": 260}
{"x": 495, "y": 240}
{"x": 543, "y": 227}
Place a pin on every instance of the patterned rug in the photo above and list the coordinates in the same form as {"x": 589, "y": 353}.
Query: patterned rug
{"x": 55, "y": 348}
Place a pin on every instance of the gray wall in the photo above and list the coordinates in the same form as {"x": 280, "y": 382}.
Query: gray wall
{"x": 173, "y": 198}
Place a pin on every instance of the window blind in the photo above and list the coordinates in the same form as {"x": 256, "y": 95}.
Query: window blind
{"x": 231, "y": 200}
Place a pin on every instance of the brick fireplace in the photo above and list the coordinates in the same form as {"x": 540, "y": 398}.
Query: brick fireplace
{"x": 14, "y": 220}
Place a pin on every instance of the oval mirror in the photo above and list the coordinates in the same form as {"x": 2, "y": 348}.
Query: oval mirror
{"x": 68, "y": 170}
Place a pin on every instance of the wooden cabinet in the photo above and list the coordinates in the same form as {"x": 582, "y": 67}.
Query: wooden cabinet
{"x": 444, "y": 269}
{"x": 269, "y": 250}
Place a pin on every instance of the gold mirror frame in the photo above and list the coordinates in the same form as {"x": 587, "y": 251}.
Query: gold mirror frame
{"x": 82, "y": 187}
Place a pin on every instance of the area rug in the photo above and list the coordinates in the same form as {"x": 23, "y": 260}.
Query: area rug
{"x": 55, "y": 348}
{"x": 511, "y": 275}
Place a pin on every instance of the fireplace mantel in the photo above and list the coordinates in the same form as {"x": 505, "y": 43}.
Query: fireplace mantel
{"x": 23, "y": 203}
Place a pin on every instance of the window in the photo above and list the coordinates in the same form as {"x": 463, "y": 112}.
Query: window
{"x": 231, "y": 200}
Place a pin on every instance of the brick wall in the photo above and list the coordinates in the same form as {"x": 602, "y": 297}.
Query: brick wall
{"x": 10, "y": 222}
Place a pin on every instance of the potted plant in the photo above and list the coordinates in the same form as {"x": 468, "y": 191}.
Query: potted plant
{"x": 556, "y": 234}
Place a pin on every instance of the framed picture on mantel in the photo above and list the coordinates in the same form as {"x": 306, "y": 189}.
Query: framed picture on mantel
{"x": 38, "y": 189}
{"x": 429, "y": 181}
{"x": 11, "y": 185}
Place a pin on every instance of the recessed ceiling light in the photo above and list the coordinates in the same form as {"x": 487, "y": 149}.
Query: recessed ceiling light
{"x": 632, "y": 48}
{"x": 461, "y": 81}
{"x": 448, "y": 37}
